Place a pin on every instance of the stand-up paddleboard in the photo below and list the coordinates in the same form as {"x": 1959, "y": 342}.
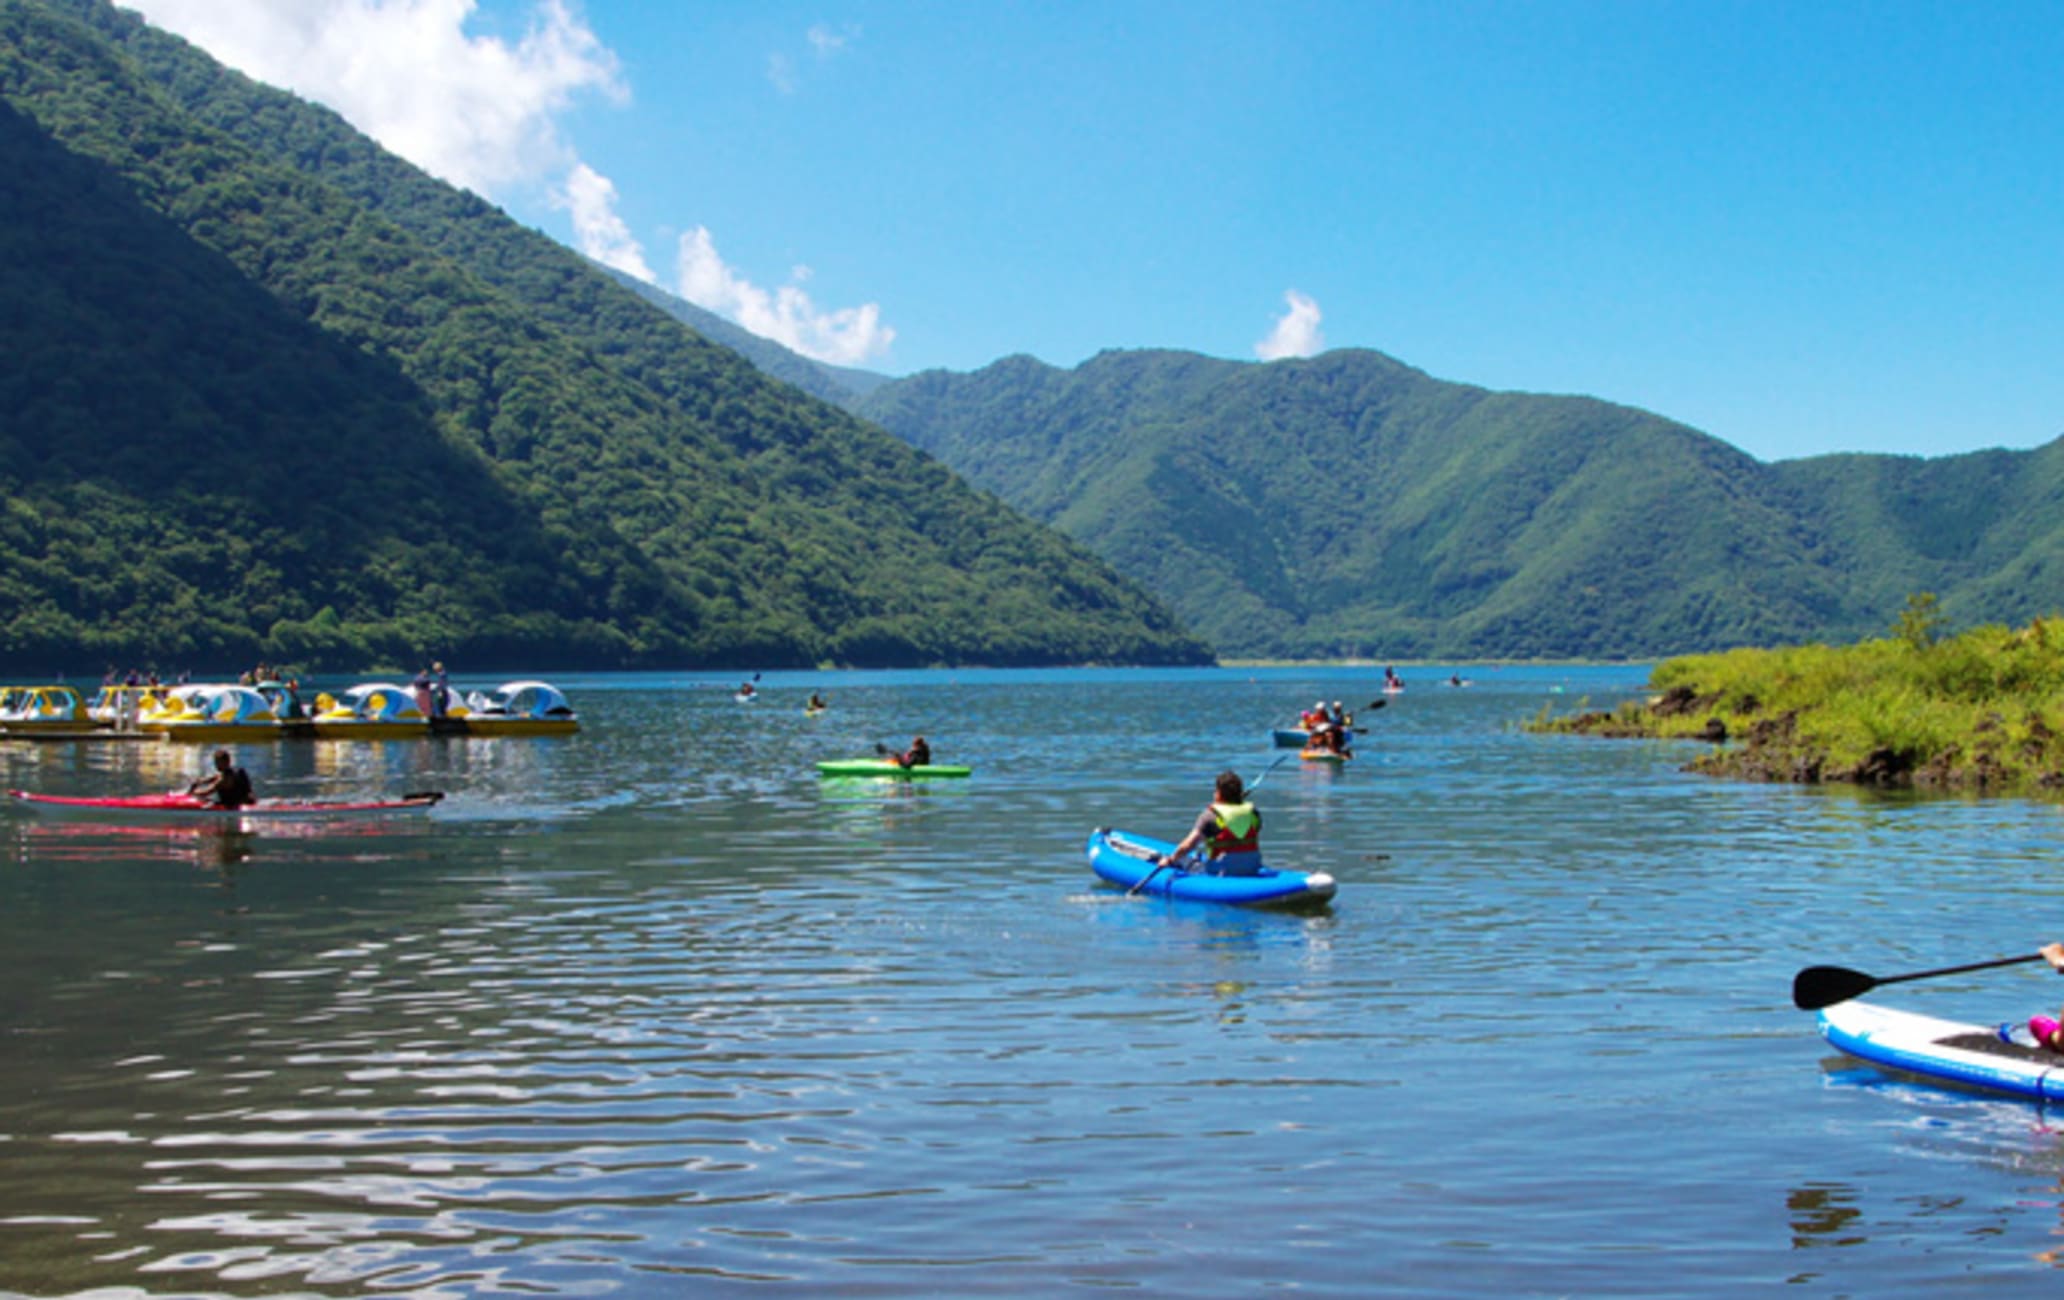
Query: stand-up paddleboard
{"x": 1121, "y": 858}
{"x": 1948, "y": 1051}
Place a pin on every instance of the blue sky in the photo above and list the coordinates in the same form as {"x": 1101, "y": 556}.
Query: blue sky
{"x": 1798, "y": 227}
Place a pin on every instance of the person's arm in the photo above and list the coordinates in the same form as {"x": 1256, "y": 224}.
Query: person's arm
{"x": 1192, "y": 840}
{"x": 2053, "y": 953}
{"x": 205, "y": 785}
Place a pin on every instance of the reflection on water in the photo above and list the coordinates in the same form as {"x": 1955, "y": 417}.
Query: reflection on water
{"x": 655, "y": 1007}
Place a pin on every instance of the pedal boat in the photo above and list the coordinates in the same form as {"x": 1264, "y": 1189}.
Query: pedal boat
{"x": 30, "y": 710}
{"x": 220, "y": 715}
{"x": 518, "y": 709}
{"x": 371, "y": 711}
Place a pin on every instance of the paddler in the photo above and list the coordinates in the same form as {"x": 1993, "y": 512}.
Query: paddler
{"x": 1229, "y": 829}
{"x": 229, "y": 786}
{"x": 2049, "y": 1031}
{"x": 918, "y": 755}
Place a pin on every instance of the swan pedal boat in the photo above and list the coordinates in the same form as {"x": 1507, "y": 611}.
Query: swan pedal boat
{"x": 371, "y": 711}
{"x": 1121, "y": 858}
{"x": 32, "y": 710}
{"x": 186, "y": 808}
{"x": 207, "y": 715}
{"x": 517, "y": 709}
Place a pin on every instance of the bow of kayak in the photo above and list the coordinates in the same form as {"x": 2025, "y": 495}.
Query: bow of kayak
{"x": 1124, "y": 859}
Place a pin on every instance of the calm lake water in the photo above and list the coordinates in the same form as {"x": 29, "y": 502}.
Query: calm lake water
{"x": 655, "y": 1011}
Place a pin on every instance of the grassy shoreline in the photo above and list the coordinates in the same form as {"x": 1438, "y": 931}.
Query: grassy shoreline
{"x": 1980, "y": 712}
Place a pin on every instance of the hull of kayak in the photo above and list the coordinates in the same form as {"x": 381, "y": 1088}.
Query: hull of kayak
{"x": 1290, "y": 738}
{"x": 162, "y": 808}
{"x": 1322, "y": 756}
{"x": 1123, "y": 859}
{"x": 1945, "y": 1051}
{"x": 883, "y": 767}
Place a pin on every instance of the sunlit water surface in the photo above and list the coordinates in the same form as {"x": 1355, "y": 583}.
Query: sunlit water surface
{"x": 654, "y": 1010}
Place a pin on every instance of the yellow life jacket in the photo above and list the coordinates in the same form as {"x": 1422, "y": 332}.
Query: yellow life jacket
{"x": 1237, "y": 828}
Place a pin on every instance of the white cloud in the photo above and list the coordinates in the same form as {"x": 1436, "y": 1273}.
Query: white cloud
{"x": 1296, "y": 332}
{"x": 828, "y": 42}
{"x": 483, "y": 112}
{"x": 590, "y": 198}
{"x": 847, "y": 336}
{"x": 477, "y": 111}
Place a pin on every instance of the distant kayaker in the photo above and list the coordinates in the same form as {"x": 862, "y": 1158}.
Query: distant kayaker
{"x": 1229, "y": 831}
{"x": 816, "y": 703}
{"x": 229, "y": 786}
{"x": 918, "y": 755}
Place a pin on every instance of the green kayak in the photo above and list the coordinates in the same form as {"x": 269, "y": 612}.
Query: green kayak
{"x": 883, "y": 767}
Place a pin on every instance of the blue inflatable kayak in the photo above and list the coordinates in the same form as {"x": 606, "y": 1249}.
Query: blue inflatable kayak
{"x": 1124, "y": 859}
{"x": 1946, "y": 1051}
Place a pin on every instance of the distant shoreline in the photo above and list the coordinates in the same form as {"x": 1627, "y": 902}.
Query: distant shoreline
{"x": 1979, "y": 713}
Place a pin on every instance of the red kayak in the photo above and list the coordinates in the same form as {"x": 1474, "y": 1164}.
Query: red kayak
{"x": 186, "y": 808}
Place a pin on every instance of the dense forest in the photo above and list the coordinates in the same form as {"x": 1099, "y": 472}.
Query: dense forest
{"x": 1349, "y": 505}
{"x": 274, "y": 393}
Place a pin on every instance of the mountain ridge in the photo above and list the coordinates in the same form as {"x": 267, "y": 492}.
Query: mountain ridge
{"x": 1352, "y": 505}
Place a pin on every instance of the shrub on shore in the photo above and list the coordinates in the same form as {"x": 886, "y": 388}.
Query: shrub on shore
{"x": 1981, "y": 711}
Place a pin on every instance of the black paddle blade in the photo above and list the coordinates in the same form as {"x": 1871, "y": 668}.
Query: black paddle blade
{"x": 1823, "y": 986}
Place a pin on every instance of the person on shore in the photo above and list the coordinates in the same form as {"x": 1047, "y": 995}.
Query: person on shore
{"x": 1229, "y": 830}
{"x": 228, "y": 786}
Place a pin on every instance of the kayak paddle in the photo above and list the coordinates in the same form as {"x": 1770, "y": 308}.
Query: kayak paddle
{"x": 1160, "y": 867}
{"x": 1823, "y": 986}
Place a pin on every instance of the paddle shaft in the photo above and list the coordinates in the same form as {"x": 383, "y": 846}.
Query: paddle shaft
{"x": 1160, "y": 867}
{"x": 1957, "y": 970}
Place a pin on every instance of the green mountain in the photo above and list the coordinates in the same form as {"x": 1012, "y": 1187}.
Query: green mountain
{"x": 1349, "y": 505}
{"x": 271, "y": 392}
{"x": 839, "y": 385}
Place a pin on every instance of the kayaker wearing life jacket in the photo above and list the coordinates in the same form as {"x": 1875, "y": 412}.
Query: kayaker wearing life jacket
{"x": 1229, "y": 830}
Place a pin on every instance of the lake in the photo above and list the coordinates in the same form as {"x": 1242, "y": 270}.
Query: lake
{"x": 655, "y": 1011}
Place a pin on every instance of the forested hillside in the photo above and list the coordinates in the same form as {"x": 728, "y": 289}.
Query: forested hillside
{"x": 271, "y": 392}
{"x": 841, "y": 385}
{"x": 1351, "y": 505}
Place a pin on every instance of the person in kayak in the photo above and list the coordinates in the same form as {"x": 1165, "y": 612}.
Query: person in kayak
{"x": 816, "y": 704}
{"x": 1229, "y": 829}
{"x": 918, "y": 755}
{"x": 229, "y": 786}
{"x": 2049, "y": 1030}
